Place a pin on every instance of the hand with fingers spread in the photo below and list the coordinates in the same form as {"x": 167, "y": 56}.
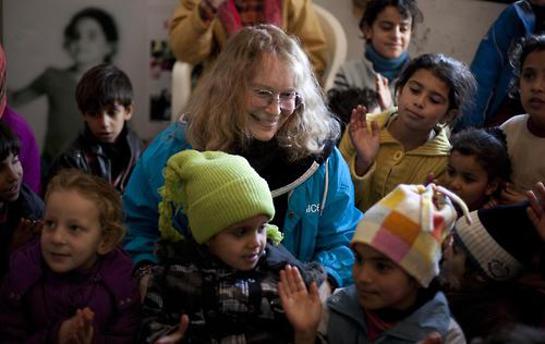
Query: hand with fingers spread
{"x": 178, "y": 335}
{"x": 383, "y": 90}
{"x": 365, "y": 140}
{"x": 302, "y": 307}
{"x": 536, "y": 210}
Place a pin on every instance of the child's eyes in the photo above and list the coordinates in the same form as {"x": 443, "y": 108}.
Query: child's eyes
{"x": 386, "y": 26}
{"x": 358, "y": 258}
{"x": 239, "y": 232}
{"x": 49, "y": 224}
{"x": 435, "y": 100}
{"x": 414, "y": 89}
{"x": 262, "y": 229}
{"x": 528, "y": 75}
{"x": 382, "y": 267}
{"x": 74, "y": 228}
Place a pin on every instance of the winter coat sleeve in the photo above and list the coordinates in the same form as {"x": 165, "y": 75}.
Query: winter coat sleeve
{"x": 337, "y": 223}
{"x": 191, "y": 38}
{"x": 488, "y": 64}
{"x": 156, "y": 320}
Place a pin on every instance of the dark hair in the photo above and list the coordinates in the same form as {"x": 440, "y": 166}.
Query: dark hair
{"x": 9, "y": 142}
{"x": 103, "y": 85}
{"x": 489, "y": 148}
{"x": 105, "y": 197}
{"x": 341, "y": 102}
{"x": 455, "y": 74}
{"x": 518, "y": 56}
{"x": 104, "y": 19}
{"x": 407, "y": 9}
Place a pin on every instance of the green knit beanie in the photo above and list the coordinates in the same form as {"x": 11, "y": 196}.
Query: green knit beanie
{"x": 215, "y": 190}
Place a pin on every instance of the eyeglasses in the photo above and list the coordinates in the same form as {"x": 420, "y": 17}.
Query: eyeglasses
{"x": 288, "y": 101}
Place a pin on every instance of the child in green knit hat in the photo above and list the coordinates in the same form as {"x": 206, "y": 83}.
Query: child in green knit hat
{"x": 219, "y": 281}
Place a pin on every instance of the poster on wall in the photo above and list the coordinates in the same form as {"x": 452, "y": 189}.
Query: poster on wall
{"x": 50, "y": 44}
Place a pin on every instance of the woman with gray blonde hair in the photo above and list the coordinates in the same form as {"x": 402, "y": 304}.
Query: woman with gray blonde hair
{"x": 261, "y": 101}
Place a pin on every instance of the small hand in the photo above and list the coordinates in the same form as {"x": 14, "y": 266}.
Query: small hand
{"x": 303, "y": 308}
{"x": 143, "y": 286}
{"x": 176, "y": 336}
{"x": 383, "y": 91}
{"x": 365, "y": 140}
{"x": 215, "y": 4}
{"x": 536, "y": 210}
{"x": 78, "y": 329}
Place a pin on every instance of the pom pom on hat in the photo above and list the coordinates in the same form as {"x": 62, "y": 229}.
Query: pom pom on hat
{"x": 502, "y": 240}
{"x": 408, "y": 227}
{"x": 215, "y": 190}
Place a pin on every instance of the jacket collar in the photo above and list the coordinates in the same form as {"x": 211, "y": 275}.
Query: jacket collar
{"x": 433, "y": 315}
{"x": 438, "y": 145}
{"x": 115, "y": 268}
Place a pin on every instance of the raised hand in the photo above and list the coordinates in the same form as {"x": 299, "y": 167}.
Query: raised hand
{"x": 302, "y": 307}
{"x": 383, "y": 90}
{"x": 214, "y": 3}
{"x": 536, "y": 210}
{"x": 365, "y": 140}
{"x": 176, "y": 336}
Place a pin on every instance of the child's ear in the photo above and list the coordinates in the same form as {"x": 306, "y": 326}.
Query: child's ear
{"x": 128, "y": 112}
{"x": 106, "y": 244}
{"x": 366, "y": 32}
{"x": 492, "y": 187}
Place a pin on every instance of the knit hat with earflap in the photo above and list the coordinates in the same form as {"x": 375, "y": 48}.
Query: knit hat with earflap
{"x": 215, "y": 190}
{"x": 502, "y": 240}
{"x": 408, "y": 227}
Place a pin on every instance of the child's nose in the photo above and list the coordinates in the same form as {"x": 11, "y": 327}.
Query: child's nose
{"x": 364, "y": 274}
{"x": 13, "y": 172}
{"x": 57, "y": 237}
{"x": 539, "y": 84}
{"x": 104, "y": 120}
{"x": 455, "y": 184}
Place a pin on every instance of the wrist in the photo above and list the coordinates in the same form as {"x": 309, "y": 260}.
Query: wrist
{"x": 305, "y": 337}
{"x": 361, "y": 166}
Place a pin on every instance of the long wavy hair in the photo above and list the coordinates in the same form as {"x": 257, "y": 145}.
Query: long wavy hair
{"x": 217, "y": 112}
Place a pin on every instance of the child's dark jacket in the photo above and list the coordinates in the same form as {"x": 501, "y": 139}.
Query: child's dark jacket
{"x": 28, "y": 206}
{"x": 87, "y": 154}
{"x": 222, "y": 304}
{"x": 35, "y": 301}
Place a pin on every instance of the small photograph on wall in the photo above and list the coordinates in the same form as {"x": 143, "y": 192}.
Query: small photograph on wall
{"x": 50, "y": 44}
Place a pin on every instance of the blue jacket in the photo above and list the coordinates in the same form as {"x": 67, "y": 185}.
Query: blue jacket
{"x": 347, "y": 322}
{"x": 319, "y": 223}
{"x": 491, "y": 65}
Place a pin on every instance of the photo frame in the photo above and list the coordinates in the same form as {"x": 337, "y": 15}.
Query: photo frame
{"x": 33, "y": 40}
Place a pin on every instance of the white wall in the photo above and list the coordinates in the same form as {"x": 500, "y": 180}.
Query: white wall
{"x": 453, "y": 27}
